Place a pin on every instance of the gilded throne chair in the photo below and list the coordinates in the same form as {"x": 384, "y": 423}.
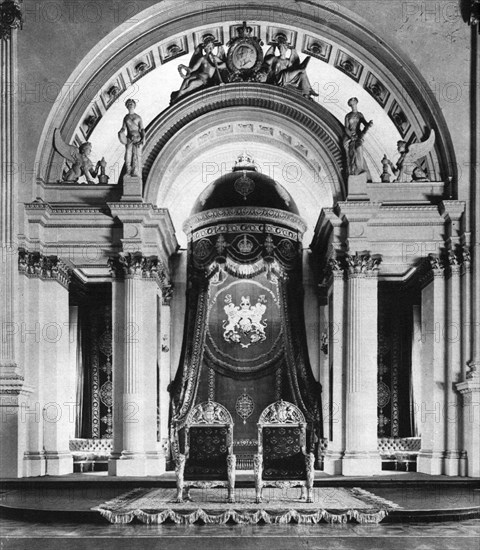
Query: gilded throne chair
{"x": 282, "y": 460}
{"x": 207, "y": 459}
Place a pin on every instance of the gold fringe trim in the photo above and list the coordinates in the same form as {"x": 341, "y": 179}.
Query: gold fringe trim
{"x": 251, "y": 518}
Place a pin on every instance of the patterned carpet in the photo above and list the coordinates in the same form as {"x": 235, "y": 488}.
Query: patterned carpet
{"x": 330, "y": 504}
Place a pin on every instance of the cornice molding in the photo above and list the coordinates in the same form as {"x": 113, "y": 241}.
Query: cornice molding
{"x": 244, "y": 213}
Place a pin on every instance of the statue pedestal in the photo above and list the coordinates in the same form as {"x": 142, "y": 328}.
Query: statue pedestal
{"x": 132, "y": 189}
{"x": 357, "y": 188}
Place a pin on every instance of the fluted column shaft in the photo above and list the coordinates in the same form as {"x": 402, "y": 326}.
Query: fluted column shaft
{"x": 361, "y": 454}
{"x": 8, "y": 203}
{"x": 336, "y": 356}
{"x": 132, "y": 406}
{"x": 432, "y": 414}
{"x": 453, "y": 410}
{"x": 135, "y": 358}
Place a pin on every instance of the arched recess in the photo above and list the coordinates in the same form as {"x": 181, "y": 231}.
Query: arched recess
{"x": 196, "y": 141}
{"x": 329, "y": 23}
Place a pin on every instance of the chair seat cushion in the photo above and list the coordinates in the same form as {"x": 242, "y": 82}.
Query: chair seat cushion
{"x": 292, "y": 467}
{"x": 206, "y": 469}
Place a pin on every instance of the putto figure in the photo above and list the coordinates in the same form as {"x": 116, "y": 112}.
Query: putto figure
{"x": 78, "y": 161}
{"x": 287, "y": 71}
{"x": 132, "y": 135}
{"x": 205, "y": 68}
{"x": 407, "y": 168}
{"x": 355, "y": 129}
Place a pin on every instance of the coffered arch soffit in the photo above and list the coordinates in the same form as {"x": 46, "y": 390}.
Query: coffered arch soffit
{"x": 140, "y": 59}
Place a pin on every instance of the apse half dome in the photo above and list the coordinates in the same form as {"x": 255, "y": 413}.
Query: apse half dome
{"x": 245, "y": 186}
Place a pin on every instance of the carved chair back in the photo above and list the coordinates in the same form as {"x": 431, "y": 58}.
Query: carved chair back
{"x": 208, "y": 440}
{"x": 282, "y": 440}
{"x": 282, "y": 458}
{"x": 208, "y": 450}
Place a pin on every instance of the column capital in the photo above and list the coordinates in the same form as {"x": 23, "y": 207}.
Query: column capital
{"x": 474, "y": 13}
{"x": 37, "y": 265}
{"x": 138, "y": 266}
{"x": 362, "y": 264}
{"x": 11, "y": 18}
{"x": 127, "y": 265}
{"x": 454, "y": 262}
{"x": 466, "y": 259}
{"x": 334, "y": 268}
{"x": 469, "y": 386}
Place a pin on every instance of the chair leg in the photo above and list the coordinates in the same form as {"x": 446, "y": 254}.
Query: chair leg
{"x": 231, "y": 466}
{"x": 258, "y": 470}
{"x": 310, "y": 462}
{"x": 179, "y": 470}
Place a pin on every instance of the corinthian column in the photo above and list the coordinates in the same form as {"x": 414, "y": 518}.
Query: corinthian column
{"x": 13, "y": 392}
{"x": 10, "y": 19}
{"x": 361, "y": 454}
{"x": 135, "y": 289}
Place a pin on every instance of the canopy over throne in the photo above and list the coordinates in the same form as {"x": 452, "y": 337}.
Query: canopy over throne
{"x": 244, "y": 342}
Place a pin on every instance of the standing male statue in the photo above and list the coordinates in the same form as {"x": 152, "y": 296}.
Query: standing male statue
{"x": 132, "y": 135}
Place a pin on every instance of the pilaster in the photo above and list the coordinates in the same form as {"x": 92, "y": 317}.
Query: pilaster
{"x": 454, "y": 462}
{"x": 50, "y": 414}
{"x": 333, "y": 382}
{"x": 164, "y": 365}
{"x": 470, "y": 390}
{"x": 432, "y": 414}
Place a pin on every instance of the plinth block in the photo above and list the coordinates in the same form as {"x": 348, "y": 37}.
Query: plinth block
{"x": 357, "y": 188}
{"x": 132, "y": 189}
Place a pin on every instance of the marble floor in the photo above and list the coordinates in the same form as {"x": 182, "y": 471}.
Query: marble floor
{"x": 25, "y": 535}
{"x": 55, "y": 514}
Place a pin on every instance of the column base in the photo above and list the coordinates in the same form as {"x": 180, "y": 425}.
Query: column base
{"x": 452, "y": 463}
{"x": 155, "y": 464}
{"x": 59, "y": 463}
{"x": 430, "y": 462}
{"x": 361, "y": 464}
{"x": 128, "y": 463}
{"x": 34, "y": 464}
{"x": 332, "y": 463}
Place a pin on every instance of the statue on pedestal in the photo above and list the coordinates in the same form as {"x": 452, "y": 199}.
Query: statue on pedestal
{"x": 355, "y": 129}
{"x": 287, "y": 72}
{"x": 406, "y": 168}
{"x": 203, "y": 70}
{"x": 78, "y": 161}
{"x": 132, "y": 135}
{"x": 385, "y": 177}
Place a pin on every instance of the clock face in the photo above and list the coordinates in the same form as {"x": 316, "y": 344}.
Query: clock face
{"x": 245, "y": 54}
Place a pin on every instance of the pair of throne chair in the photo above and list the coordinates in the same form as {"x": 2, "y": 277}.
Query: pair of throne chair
{"x": 206, "y": 458}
